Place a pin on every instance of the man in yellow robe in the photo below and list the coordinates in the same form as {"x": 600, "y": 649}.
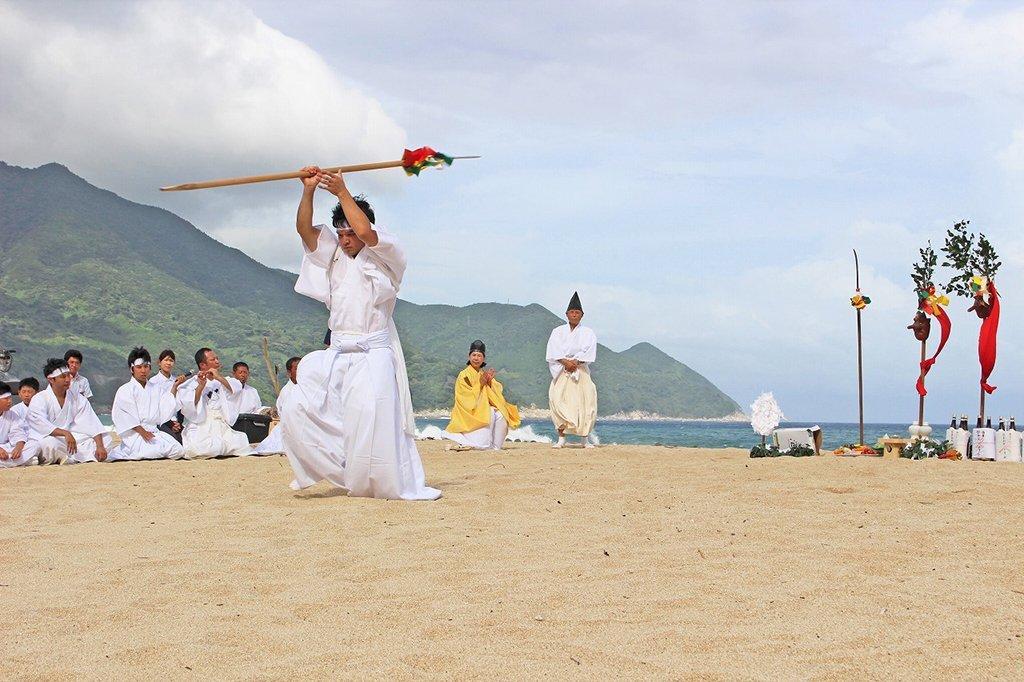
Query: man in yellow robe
{"x": 481, "y": 417}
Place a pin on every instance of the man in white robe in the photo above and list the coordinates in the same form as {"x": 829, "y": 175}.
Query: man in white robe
{"x": 350, "y": 421}
{"x": 79, "y": 384}
{"x": 572, "y": 396}
{"x": 139, "y": 408}
{"x": 164, "y": 377}
{"x": 64, "y": 423}
{"x": 248, "y": 399}
{"x": 274, "y": 442}
{"x": 27, "y": 388}
{"x": 207, "y": 402}
{"x": 16, "y": 450}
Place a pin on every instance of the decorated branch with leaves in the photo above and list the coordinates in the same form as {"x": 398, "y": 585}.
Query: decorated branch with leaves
{"x": 974, "y": 262}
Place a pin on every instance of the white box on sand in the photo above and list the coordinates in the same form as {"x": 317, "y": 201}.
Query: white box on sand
{"x": 809, "y": 436}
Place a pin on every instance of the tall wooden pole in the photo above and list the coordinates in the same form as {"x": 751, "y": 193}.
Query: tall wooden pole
{"x": 860, "y": 354}
{"x": 920, "y": 399}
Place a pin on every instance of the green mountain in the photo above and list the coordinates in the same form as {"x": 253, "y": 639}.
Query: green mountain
{"x": 82, "y": 267}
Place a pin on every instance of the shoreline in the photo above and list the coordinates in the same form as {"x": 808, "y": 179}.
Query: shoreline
{"x": 534, "y": 412}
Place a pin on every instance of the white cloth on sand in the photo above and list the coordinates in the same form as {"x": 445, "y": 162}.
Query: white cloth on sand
{"x": 248, "y": 400}
{"x": 490, "y": 437}
{"x": 147, "y": 406}
{"x": 572, "y": 396}
{"x": 45, "y": 414}
{"x": 207, "y": 431}
{"x": 351, "y": 420}
{"x": 13, "y": 431}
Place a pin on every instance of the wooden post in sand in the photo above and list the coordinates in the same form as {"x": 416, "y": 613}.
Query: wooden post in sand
{"x": 271, "y": 369}
{"x": 860, "y": 355}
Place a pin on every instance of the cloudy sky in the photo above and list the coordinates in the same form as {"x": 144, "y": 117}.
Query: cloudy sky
{"x": 699, "y": 171}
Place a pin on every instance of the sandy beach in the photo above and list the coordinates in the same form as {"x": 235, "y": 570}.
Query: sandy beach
{"x": 625, "y": 561}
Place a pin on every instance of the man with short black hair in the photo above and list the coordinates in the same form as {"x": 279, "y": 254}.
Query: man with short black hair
{"x": 351, "y": 420}
{"x": 79, "y": 383}
{"x": 207, "y": 402}
{"x": 248, "y": 398}
{"x": 139, "y": 408}
{"x": 27, "y": 388}
{"x": 16, "y": 450}
{"x": 63, "y": 421}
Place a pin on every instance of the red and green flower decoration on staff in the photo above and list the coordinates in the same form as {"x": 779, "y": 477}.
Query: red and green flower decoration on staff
{"x": 975, "y": 263}
{"x": 416, "y": 160}
{"x": 930, "y": 303}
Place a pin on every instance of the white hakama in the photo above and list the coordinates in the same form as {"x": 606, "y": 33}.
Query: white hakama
{"x": 146, "y": 406}
{"x": 207, "y": 432}
{"x": 350, "y": 422}
{"x": 13, "y": 430}
{"x": 490, "y": 437}
{"x": 572, "y": 397}
{"x": 45, "y": 414}
{"x": 273, "y": 444}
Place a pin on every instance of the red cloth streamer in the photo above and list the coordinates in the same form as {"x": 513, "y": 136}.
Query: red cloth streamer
{"x": 411, "y": 158}
{"x": 987, "y": 340}
{"x": 945, "y": 326}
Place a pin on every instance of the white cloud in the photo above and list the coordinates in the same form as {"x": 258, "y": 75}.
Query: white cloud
{"x": 1012, "y": 156}
{"x": 165, "y": 92}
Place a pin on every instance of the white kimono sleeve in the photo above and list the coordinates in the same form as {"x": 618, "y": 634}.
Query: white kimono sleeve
{"x": 587, "y": 351}
{"x": 555, "y": 352}
{"x": 388, "y": 255}
{"x": 38, "y": 418}
{"x": 85, "y": 420}
{"x": 86, "y": 388}
{"x": 18, "y": 431}
{"x": 125, "y": 411}
{"x": 313, "y": 278}
{"x": 186, "y": 401}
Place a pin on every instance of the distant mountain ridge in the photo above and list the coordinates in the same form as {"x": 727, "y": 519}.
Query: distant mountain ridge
{"x": 82, "y": 267}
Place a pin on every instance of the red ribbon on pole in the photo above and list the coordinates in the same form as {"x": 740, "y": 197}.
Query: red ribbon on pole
{"x": 945, "y": 326}
{"x": 987, "y": 340}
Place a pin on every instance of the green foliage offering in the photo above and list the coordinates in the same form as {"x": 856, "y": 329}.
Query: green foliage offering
{"x": 968, "y": 258}
{"x": 923, "y": 448}
{"x": 81, "y": 267}
{"x": 924, "y": 270}
{"x": 796, "y": 450}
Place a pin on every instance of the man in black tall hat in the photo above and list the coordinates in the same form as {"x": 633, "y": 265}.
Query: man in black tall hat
{"x": 572, "y": 396}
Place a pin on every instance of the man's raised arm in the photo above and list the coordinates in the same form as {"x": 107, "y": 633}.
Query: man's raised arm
{"x": 304, "y": 217}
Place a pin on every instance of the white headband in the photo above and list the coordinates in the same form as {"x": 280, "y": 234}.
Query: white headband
{"x": 141, "y": 361}
{"x": 57, "y": 372}
{"x": 4, "y": 395}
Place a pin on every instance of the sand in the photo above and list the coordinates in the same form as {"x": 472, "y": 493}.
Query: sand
{"x": 626, "y": 561}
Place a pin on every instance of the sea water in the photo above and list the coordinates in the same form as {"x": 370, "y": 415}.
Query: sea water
{"x": 681, "y": 434}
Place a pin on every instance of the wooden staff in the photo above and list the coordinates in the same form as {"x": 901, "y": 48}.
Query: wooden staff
{"x": 271, "y": 369}
{"x": 860, "y": 354}
{"x": 250, "y": 179}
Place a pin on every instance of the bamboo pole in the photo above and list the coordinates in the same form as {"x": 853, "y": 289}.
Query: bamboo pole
{"x": 270, "y": 367}
{"x": 981, "y": 407}
{"x": 270, "y": 177}
{"x": 860, "y": 355}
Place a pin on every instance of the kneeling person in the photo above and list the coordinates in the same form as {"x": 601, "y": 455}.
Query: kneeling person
{"x": 209, "y": 408}
{"x": 16, "y": 450}
{"x": 481, "y": 417}
{"x": 140, "y": 406}
{"x": 63, "y": 421}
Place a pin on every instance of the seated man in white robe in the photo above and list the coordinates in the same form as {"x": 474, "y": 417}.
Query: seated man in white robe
{"x": 16, "y": 450}
{"x": 27, "y": 388}
{"x": 207, "y": 402}
{"x": 79, "y": 383}
{"x": 274, "y": 443}
{"x": 351, "y": 422}
{"x": 572, "y": 396}
{"x": 64, "y": 423}
{"x": 139, "y": 408}
{"x": 248, "y": 399}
